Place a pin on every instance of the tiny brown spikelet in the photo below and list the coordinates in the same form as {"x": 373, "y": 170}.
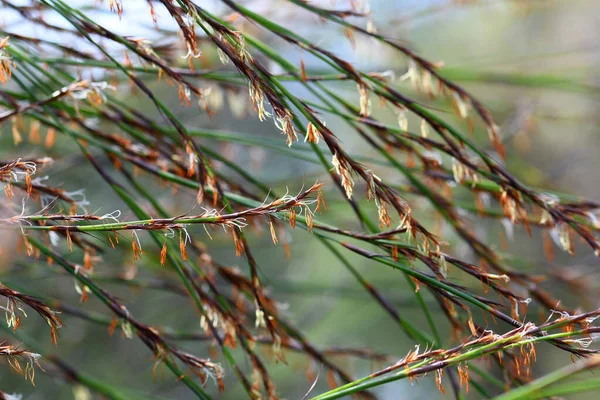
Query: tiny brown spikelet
{"x": 309, "y": 219}
{"x": 112, "y": 326}
{"x": 417, "y": 284}
{"x": 87, "y": 261}
{"x": 54, "y": 335}
{"x": 365, "y": 102}
{"x": 395, "y": 253}
{"x": 292, "y": 217}
{"x": 17, "y": 137}
{"x": 8, "y": 192}
{"x": 320, "y": 201}
{"x": 302, "y": 70}
{"x": 239, "y": 247}
{"x": 163, "y": 254}
{"x": 191, "y": 160}
{"x": 182, "y": 249}
{"x": 312, "y": 134}
{"x": 496, "y": 141}
{"x": 424, "y": 129}
{"x": 127, "y": 61}
{"x": 83, "y": 298}
{"x": 383, "y": 216}
{"x": 184, "y": 97}
{"x": 28, "y": 183}
{"x": 69, "y": 241}
{"x": 349, "y": 33}
{"x": 273, "y": 235}
{"x": 137, "y": 249}
{"x": 438, "y": 380}
{"x": 463, "y": 374}
{"x": 116, "y": 6}
{"x": 472, "y": 326}
{"x": 342, "y": 170}
{"x": 6, "y": 64}
{"x": 284, "y": 122}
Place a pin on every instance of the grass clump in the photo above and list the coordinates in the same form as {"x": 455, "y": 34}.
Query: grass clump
{"x": 397, "y": 205}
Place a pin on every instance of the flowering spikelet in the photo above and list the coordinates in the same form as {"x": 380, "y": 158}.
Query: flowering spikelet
{"x": 137, "y": 249}
{"x": 427, "y": 83}
{"x": 320, "y": 201}
{"x": 273, "y": 235}
{"x": 438, "y": 380}
{"x": 258, "y": 101}
{"x": 184, "y": 96}
{"x": 116, "y": 6}
{"x": 302, "y": 70}
{"x": 402, "y": 120}
{"x": 412, "y": 74}
{"x": 182, "y": 249}
{"x": 309, "y": 218}
{"x": 424, "y": 129}
{"x": 493, "y": 131}
{"x": 458, "y": 171}
{"x": 461, "y": 105}
{"x": 69, "y": 241}
{"x": 382, "y": 214}
{"x": 284, "y": 123}
{"x": 371, "y": 28}
{"x": 349, "y": 33}
{"x": 312, "y": 134}
{"x": 222, "y": 56}
{"x": 562, "y": 236}
{"x": 28, "y": 183}
{"x": 192, "y": 160}
{"x": 163, "y": 254}
{"x": 365, "y": 101}
{"x": 239, "y": 247}
{"x": 463, "y": 375}
{"x": 6, "y": 64}
{"x": 342, "y": 170}
{"x": 292, "y": 218}
{"x": 112, "y": 326}
{"x": 87, "y": 261}
{"x": 16, "y": 134}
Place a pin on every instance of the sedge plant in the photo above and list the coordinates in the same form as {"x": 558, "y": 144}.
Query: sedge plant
{"x": 402, "y": 203}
